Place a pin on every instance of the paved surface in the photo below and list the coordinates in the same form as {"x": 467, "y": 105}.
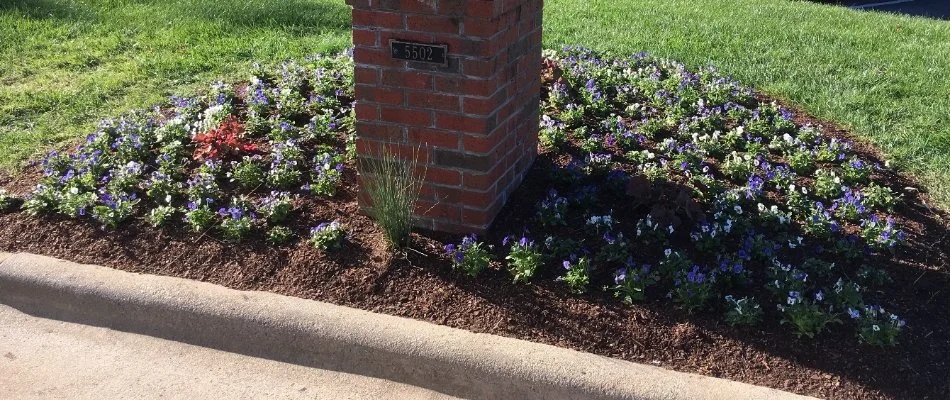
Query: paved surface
{"x": 304, "y": 333}
{"x": 939, "y": 9}
{"x": 49, "y": 359}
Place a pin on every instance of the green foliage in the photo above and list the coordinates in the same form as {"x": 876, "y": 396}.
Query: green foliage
{"x": 877, "y": 326}
{"x": 6, "y": 200}
{"x": 631, "y": 282}
{"x": 524, "y": 259}
{"x": 577, "y": 275}
{"x": 742, "y": 312}
{"x": 807, "y": 318}
{"x": 249, "y": 173}
{"x": 328, "y": 236}
{"x": 470, "y": 256}
{"x": 199, "y": 216}
{"x": 279, "y": 235}
{"x": 159, "y": 216}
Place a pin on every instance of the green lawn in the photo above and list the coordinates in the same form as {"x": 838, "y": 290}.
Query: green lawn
{"x": 65, "y": 64}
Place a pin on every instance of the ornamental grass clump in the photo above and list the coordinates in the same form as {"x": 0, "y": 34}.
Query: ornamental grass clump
{"x": 393, "y": 186}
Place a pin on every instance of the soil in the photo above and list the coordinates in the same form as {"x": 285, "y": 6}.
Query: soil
{"x": 420, "y": 284}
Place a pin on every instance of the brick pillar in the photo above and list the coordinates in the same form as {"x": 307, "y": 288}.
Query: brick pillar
{"x": 476, "y": 119}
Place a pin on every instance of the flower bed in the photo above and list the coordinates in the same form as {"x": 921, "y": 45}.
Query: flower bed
{"x": 662, "y": 195}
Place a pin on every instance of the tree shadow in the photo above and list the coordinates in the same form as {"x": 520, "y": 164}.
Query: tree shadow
{"x": 46, "y": 9}
{"x": 935, "y": 9}
{"x": 296, "y": 15}
{"x": 545, "y": 311}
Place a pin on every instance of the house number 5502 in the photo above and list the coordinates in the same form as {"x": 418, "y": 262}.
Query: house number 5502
{"x": 419, "y": 52}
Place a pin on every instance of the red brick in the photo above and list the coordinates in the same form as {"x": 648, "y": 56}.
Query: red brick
{"x": 422, "y": 37}
{"x": 479, "y": 115}
{"x": 480, "y": 68}
{"x": 473, "y": 47}
{"x": 476, "y": 181}
{"x": 482, "y": 144}
{"x": 373, "y": 56}
{"x": 407, "y": 79}
{"x": 433, "y": 101}
{"x": 392, "y": 133}
{"x": 403, "y": 116}
{"x": 481, "y": 9}
{"x": 366, "y": 111}
{"x": 477, "y": 217}
{"x": 366, "y": 75}
{"x": 365, "y": 37}
{"x": 469, "y": 87}
{"x": 481, "y": 27}
{"x": 433, "y": 23}
{"x": 416, "y": 7}
{"x": 380, "y": 95}
{"x": 438, "y": 210}
{"x": 434, "y": 138}
{"x": 377, "y": 19}
{"x": 440, "y": 176}
{"x": 464, "y": 123}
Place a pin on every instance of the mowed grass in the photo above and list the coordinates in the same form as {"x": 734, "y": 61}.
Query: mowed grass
{"x": 887, "y": 77}
{"x": 66, "y": 64}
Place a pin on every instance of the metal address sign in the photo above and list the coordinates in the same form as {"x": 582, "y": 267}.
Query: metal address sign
{"x": 420, "y": 52}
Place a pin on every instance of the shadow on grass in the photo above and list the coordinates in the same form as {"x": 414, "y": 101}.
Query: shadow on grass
{"x": 46, "y": 9}
{"x": 299, "y": 16}
{"x": 936, "y": 9}
{"x": 295, "y": 15}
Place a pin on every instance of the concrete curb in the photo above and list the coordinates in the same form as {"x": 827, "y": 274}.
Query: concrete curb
{"x": 326, "y": 336}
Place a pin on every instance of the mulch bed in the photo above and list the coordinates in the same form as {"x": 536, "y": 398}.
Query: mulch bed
{"x": 419, "y": 284}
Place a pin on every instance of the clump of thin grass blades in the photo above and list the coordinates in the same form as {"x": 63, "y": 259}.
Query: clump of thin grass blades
{"x": 393, "y": 186}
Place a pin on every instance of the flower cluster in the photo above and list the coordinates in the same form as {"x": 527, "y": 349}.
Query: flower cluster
{"x": 6, "y": 200}
{"x": 877, "y": 326}
{"x": 524, "y": 258}
{"x": 182, "y": 162}
{"x": 328, "y": 236}
{"x": 663, "y": 180}
{"x": 470, "y": 256}
{"x": 236, "y": 222}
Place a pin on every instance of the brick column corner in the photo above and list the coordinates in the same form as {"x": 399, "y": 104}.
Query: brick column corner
{"x": 474, "y": 120}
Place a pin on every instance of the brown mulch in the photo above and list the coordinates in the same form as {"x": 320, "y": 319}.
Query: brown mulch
{"x": 419, "y": 284}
